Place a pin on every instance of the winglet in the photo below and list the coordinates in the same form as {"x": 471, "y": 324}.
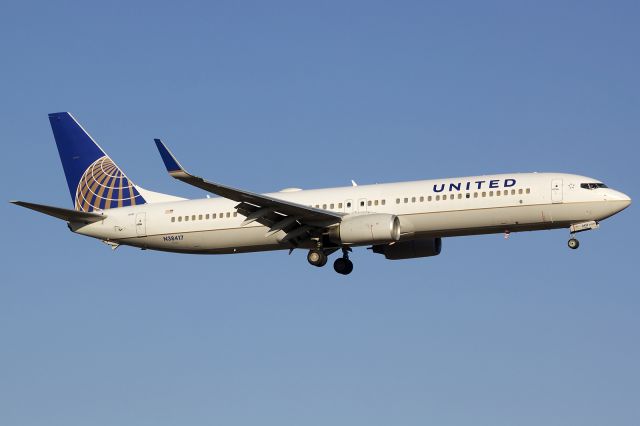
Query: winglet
{"x": 170, "y": 162}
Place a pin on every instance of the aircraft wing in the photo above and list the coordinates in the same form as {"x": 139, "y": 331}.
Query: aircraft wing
{"x": 60, "y": 213}
{"x": 296, "y": 220}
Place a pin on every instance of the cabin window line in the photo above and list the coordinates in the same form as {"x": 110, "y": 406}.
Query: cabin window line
{"x": 173, "y": 219}
{"x": 339, "y": 205}
{"x": 528, "y": 190}
{"x": 520, "y": 191}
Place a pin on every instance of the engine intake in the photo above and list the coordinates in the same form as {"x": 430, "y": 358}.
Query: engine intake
{"x": 366, "y": 229}
{"x": 410, "y": 249}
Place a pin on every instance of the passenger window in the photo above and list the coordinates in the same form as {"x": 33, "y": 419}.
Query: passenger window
{"x": 429, "y": 198}
{"x": 397, "y": 200}
{"x": 520, "y": 191}
{"x": 422, "y": 199}
{"x": 406, "y": 200}
{"x": 179, "y": 218}
{"x": 459, "y": 196}
{"x": 200, "y": 217}
{"x": 213, "y": 216}
{"x": 331, "y": 206}
{"x": 475, "y": 195}
{"x": 339, "y": 205}
{"x": 437, "y": 198}
{"x": 186, "y": 218}
{"x": 528, "y": 191}
{"x": 207, "y": 216}
{"x": 228, "y": 214}
{"x": 317, "y": 206}
{"x": 173, "y": 219}
{"x": 369, "y": 203}
{"x": 383, "y": 202}
{"x": 235, "y": 214}
{"x": 375, "y": 203}
{"x": 490, "y": 193}
{"x": 348, "y": 205}
{"x": 413, "y": 199}
{"x": 513, "y": 192}
{"x": 452, "y": 196}
{"x": 324, "y": 206}
{"x": 498, "y": 193}
{"x": 484, "y": 194}
{"x": 361, "y": 203}
{"x": 468, "y": 195}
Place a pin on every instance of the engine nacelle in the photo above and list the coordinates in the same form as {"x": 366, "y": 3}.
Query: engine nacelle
{"x": 366, "y": 229}
{"x": 410, "y": 249}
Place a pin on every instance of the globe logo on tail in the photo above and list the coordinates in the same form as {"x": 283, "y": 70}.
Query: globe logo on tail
{"x": 104, "y": 186}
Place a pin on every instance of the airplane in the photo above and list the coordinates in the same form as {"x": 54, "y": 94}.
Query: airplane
{"x": 402, "y": 220}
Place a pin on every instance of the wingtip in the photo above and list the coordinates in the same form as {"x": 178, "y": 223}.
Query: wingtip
{"x": 168, "y": 158}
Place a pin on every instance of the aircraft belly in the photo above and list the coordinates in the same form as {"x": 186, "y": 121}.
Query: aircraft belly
{"x": 492, "y": 220}
{"x": 216, "y": 241}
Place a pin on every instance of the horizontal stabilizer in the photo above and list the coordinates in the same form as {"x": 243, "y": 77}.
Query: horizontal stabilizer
{"x": 60, "y": 213}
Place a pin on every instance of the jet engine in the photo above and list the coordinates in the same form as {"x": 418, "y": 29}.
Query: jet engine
{"x": 366, "y": 229}
{"x": 410, "y": 249}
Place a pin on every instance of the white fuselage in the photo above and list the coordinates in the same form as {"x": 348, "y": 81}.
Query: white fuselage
{"x": 426, "y": 209}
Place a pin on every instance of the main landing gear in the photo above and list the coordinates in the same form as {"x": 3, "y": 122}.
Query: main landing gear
{"x": 317, "y": 257}
{"x": 342, "y": 265}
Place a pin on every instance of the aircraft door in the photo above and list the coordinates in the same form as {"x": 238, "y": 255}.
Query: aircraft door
{"x": 141, "y": 224}
{"x": 556, "y": 191}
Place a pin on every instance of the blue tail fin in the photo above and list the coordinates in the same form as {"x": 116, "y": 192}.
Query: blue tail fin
{"x": 95, "y": 182}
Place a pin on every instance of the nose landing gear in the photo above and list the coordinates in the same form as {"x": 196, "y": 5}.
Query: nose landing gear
{"x": 573, "y": 243}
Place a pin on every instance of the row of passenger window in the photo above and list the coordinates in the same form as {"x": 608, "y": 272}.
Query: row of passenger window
{"x": 332, "y": 206}
{"x": 459, "y": 196}
{"x": 207, "y": 216}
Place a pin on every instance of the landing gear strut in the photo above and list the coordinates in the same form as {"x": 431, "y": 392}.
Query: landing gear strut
{"x": 317, "y": 257}
{"x": 343, "y": 265}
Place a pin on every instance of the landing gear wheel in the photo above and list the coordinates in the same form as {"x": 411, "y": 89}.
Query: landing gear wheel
{"x": 343, "y": 266}
{"x": 317, "y": 258}
{"x": 573, "y": 243}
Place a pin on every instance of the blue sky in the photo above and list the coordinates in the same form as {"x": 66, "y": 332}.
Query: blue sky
{"x": 268, "y": 95}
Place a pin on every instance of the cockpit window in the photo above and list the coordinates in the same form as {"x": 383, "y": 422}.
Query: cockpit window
{"x": 592, "y": 185}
